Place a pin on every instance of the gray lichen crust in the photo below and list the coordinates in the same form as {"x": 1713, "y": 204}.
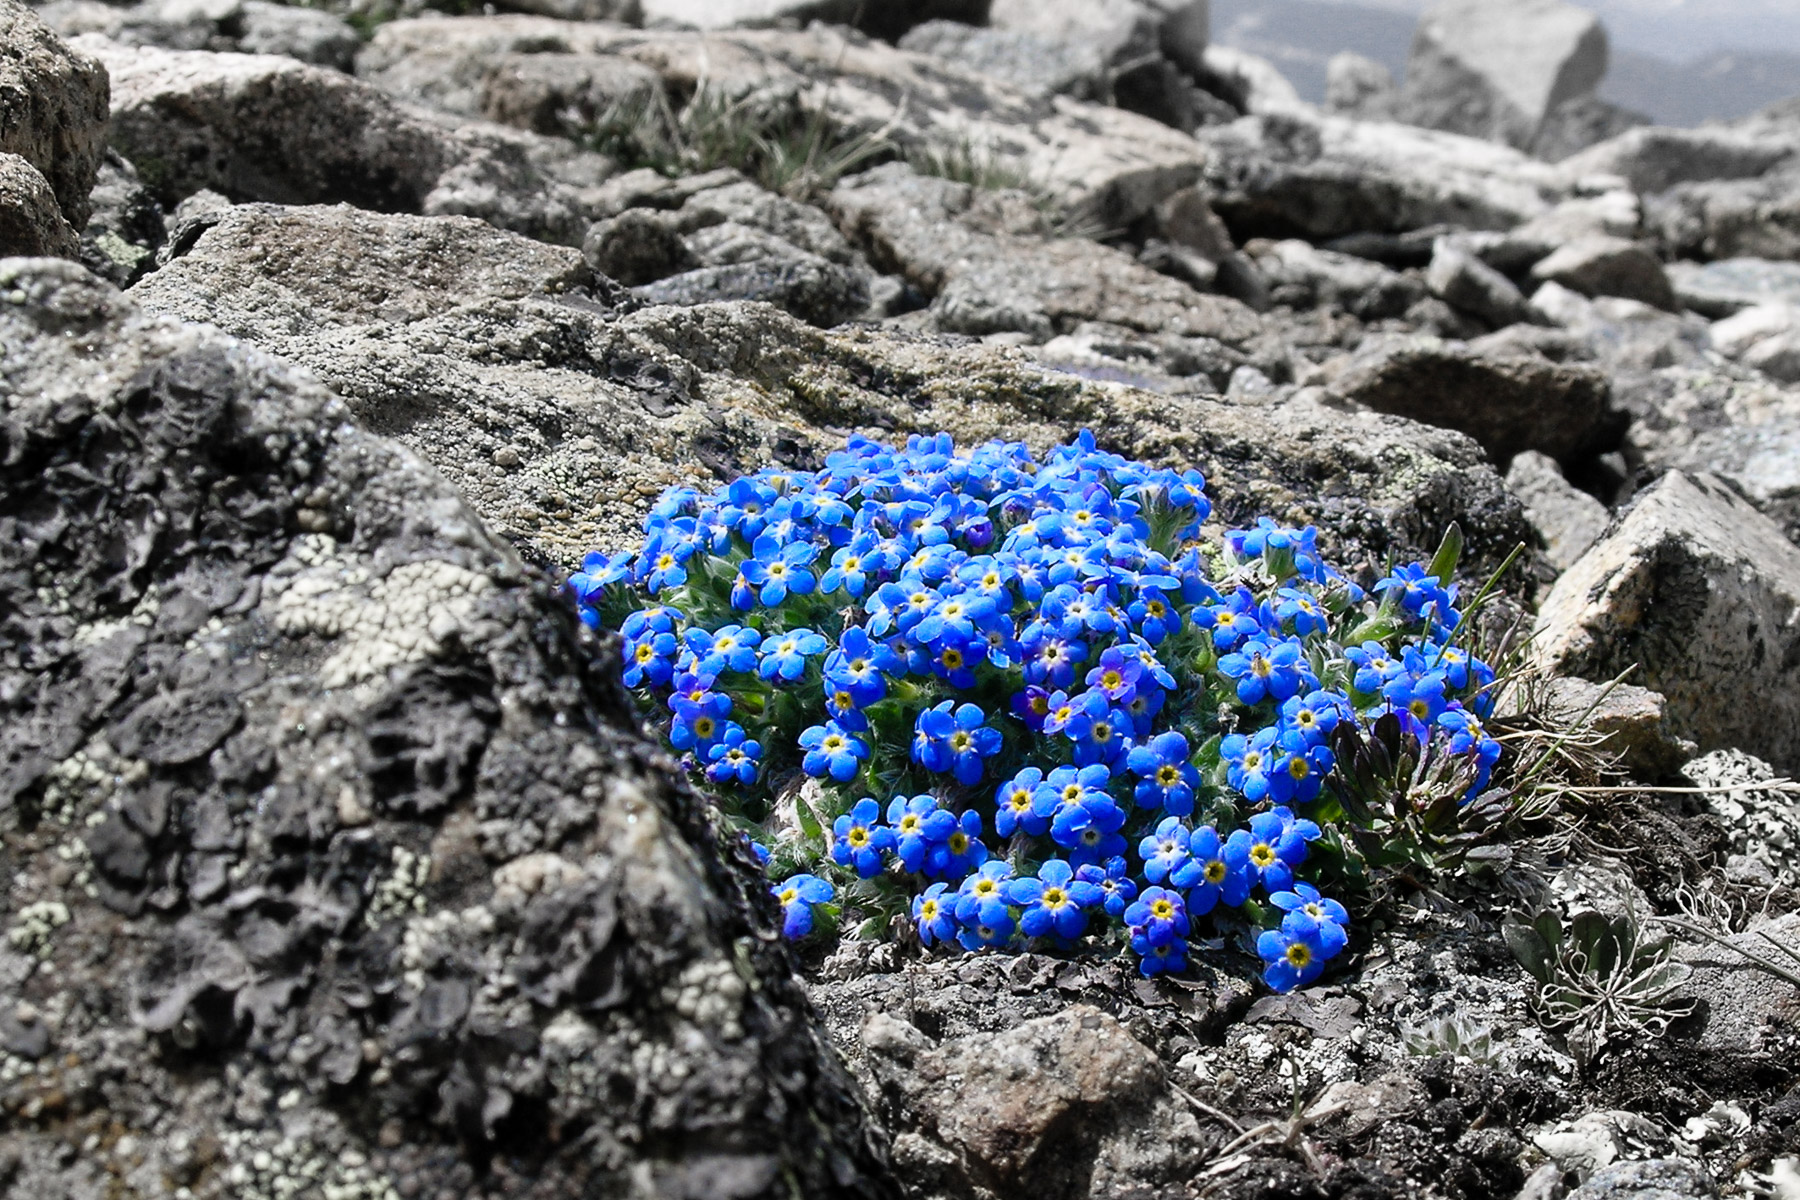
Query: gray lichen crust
{"x": 323, "y": 831}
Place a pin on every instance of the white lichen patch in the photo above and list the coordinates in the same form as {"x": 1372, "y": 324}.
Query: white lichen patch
{"x": 265, "y": 1165}
{"x": 398, "y": 893}
{"x": 710, "y": 994}
{"x": 36, "y": 926}
{"x": 403, "y": 617}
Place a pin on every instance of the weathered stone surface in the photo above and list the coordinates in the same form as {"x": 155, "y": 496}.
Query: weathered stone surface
{"x": 1508, "y": 404}
{"x": 989, "y": 264}
{"x": 31, "y": 222}
{"x": 52, "y": 108}
{"x": 1304, "y": 277}
{"x": 1068, "y": 1106}
{"x": 1632, "y": 719}
{"x": 1725, "y": 420}
{"x": 1569, "y": 518}
{"x": 886, "y": 20}
{"x": 246, "y": 26}
{"x": 1656, "y": 157}
{"x": 1623, "y": 335}
{"x": 259, "y": 127}
{"x": 1574, "y": 125}
{"x": 1460, "y": 279}
{"x": 1747, "y": 218}
{"x": 126, "y": 228}
{"x": 1760, "y": 823}
{"x": 1608, "y": 266}
{"x": 1702, "y": 592}
{"x": 1295, "y": 175}
{"x": 307, "y": 34}
{"x": 1721, "y": 289}
{"x": 1496, "y": 71}
{"x": 1110, "y": 165}
{"x": 1358, "y": 86}
{"x": 375, "y": 879}
{"x": 1615, "y": 212}
{"x": 1653, "y": 1179}
{"x": 1765, "y": 338}
{"x": 561, "y": 421}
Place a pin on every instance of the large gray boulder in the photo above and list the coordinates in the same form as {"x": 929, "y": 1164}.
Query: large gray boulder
{"x": 52, "y": 108}
{"x": 31, "y": 223}
{"x": 1734, "y": 218}
{"x": 1700, "y": 592}
{"x": 1497, "y": 71}
{"x": 337, "y": 862}
{"x": 1655, "y": 158}
{"x": 261, "y": 127}
{"x": 562, "y": 415}
{"x": 1720, "y": 289}
{"x": 1508, "y": 403}
{"x": 1600, "y": 265}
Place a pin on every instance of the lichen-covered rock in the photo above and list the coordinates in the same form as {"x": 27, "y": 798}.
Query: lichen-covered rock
{"x": 31, "y": 223}
{"x": 562, "y": 417}
{"x": 262, "y": 127}
{"x": 1702, "y": 593}
{"x": 52, "y": 107}
{"x": 1507, "y": 403}
{"x": 336, "y": 864}
{"x": 1720, "y": 289}
{"x": 126, "y": 228}
{"x": 1656, "y": 158}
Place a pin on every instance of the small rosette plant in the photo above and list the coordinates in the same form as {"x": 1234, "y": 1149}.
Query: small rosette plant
{"x": 1020, "y": 703}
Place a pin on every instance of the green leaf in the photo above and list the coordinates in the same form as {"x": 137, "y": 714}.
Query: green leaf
{"x": 1528, "y": 946}
{"x": 1449, "y": 553}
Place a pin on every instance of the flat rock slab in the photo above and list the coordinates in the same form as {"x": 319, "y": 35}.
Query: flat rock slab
{"x": 1720, "y": 289}
{"x": 53, "y": 104}
{"x": 1702, "y": 593}
{"x": 302, "y": 771}
{"x": 262, "y": 127}
{"x": 562, "y": 415}
{"x": 1507, "y": 403}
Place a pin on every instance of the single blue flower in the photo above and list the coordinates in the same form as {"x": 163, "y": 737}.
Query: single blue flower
{"x": 784, "y": 655}
{"x": 1165, "y": 850}
{"x": 954, "y": 741}
{"x": 1275, "y": 844}
{"x": 731, "y": 648}
{"x": 1166, "y": 778}
{"x": 650, "y": 660}
{"x": 1116, "y": 675}
{"x": 860, "y": 665}
{"x": 1158, "y": 958}
{"x": 1054, "y": 902}
{"x": 1114, "y": 880}
{"x": 1217, "y": 872}
{"x": 734, "y": 757}
{"x": 959, "y": 851}
{"x": 1297, "y": 952}
{"x": 859, "y": 840}
{"x": 1267, "y": 671}
{"x": 918, "y": 824}
{"x": 779, "y": 569}
{"x": 830, "y": 750}
{"x": 798, "y": 894}
{"x": 1159, "y": 915}
{"x": 932, "y": 914}
{"x": 983, "y": 890}
{"x": 1306, "y": 898}
{"x": 1015, "y": 805}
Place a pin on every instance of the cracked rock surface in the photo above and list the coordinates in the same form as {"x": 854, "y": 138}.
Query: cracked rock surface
{"x": 336, "y": 864}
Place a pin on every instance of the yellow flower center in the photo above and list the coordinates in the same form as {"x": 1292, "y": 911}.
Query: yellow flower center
{"x": 1162, "y": 910}
{"x": 1055, "y": 897}
{"x": 858, "y": 836}
{"x": 788, "y": 895}
{"x": 1020, "y": 799}
{"x": 1299, "y": 955}
{"x": 1262, "y": 854}
{"x": 959, "y": 842}
{"x": 1215, "y": 871}
{"x": 1298, "y": 767}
